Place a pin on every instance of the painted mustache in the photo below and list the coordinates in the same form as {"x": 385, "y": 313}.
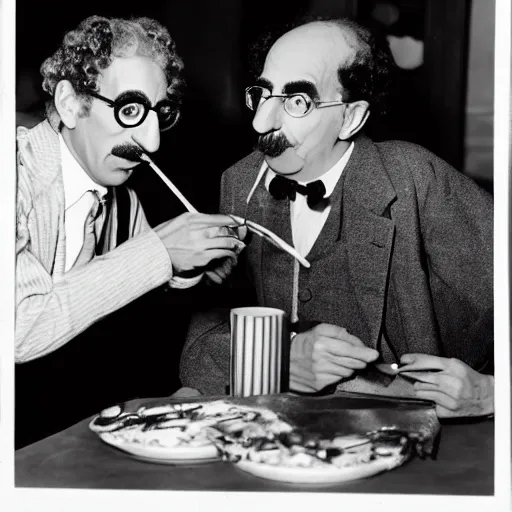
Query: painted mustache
{"x": 127, "y": 151}
{"x": 273, "y": 144}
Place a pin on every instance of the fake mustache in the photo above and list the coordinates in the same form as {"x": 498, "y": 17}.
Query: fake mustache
{"x": 127, "y": 151}
{"x": 273, "y": 144}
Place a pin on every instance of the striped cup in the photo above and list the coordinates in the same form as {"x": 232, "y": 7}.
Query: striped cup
{"x": 256, "y": 351}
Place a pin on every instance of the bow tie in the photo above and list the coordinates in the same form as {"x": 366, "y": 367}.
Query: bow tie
{"x": 281, "y": 187}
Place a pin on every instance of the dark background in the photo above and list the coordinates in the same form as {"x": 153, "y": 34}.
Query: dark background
{"x": 135, "y": 352}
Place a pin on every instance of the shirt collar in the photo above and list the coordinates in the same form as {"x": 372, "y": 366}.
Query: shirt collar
{"x": 329, "y": 179}
{"x": 76, "y": 181}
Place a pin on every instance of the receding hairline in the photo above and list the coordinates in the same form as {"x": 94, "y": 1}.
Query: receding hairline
{"x": 341, "y": 30}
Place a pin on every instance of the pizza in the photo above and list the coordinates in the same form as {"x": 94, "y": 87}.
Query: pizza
{"x": 254, "y": 438}
{"x": 191, "y": 425}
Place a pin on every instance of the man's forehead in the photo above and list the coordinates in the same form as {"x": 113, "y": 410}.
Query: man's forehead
{"x": 313, "y": 49}
{"x": 134, "y": 74}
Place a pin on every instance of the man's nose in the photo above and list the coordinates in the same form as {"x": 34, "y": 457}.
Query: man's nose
{"x": 268, "y": 116}
{"x": 147, "y": 135}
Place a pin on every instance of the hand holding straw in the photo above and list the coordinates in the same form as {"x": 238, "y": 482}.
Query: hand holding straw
{"x": 252, "y": 226}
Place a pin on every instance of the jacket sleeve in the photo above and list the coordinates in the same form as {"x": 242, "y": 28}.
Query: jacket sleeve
{"x": 49, "y": 311}
{"x": 456, "y": 218}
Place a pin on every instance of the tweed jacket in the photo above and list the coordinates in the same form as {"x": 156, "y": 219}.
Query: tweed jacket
{"x": 53, "y": 306}
{"x": 408, "y": 241}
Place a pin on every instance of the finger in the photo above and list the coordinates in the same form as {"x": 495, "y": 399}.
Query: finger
{"x": 347, "y": 362}
{"x": 443, "y": 412}
{"x": 242, "y": 232}
{"x": 215, "y": 219}
{"x": 421, "y": 376}
{"x": 214, "y": 254}
{"x": 222, "y": 242}
{"x": 444, "y": 383}
{"x": 219, "y": 231}
{"x": 346, "y": 349}
{"x": 213, "y": 276}
{"x": 422, "y": 362}
{"x": 439, "y": 398}
{"x": 332, "y": 368}
{"x": 339, "y": 333}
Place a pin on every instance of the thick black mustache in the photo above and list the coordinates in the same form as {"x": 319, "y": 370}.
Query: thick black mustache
{"x": 273, "y": 144}
{"x": 127, "y": 151}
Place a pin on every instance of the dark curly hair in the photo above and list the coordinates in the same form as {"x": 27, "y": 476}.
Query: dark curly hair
{"x": 367, "y": 75}
{"x": 97, "y": 40}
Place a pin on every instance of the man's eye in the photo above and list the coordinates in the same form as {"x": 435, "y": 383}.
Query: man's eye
{"x": 299, "y": 101}
{"x": 131, "y": 111}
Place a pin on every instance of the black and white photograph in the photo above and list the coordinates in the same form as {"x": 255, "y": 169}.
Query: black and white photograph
{"x": 258, "y": 251}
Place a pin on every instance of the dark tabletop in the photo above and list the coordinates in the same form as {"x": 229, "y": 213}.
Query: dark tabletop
{"x": 77, "y": 458}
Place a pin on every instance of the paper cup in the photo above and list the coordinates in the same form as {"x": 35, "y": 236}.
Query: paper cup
{"x": 257, "y": 355}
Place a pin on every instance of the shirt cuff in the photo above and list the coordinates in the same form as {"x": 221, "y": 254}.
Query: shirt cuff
{"x": 181, "y": 283}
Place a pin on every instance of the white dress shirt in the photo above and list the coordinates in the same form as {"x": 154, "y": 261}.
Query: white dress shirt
{"x": 77, "y": 201}
{"x": 307, "y": 223}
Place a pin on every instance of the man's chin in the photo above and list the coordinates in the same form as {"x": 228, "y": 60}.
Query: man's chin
{"x": 120, "y": 175}
{"x": 286, "y": 163}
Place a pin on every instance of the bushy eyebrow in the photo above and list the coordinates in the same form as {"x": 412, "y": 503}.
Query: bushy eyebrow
{"x": 295, "y": 87}
{"x": 304, "y": 86}
{"x": 263, "y": 82}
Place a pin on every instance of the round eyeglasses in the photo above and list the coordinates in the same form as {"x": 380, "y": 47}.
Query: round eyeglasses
{"x": 132, "y": 107}
{"x": 295, "y": 105}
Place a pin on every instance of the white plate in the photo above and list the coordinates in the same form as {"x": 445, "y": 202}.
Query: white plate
{"x": 166, "y": 455}
{"x": 318, "y": 475}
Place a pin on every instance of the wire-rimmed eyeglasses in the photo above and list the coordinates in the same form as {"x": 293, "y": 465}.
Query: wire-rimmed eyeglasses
{"x": 295, "y": 105}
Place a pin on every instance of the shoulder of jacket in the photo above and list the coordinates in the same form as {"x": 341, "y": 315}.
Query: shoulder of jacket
{"x": 37, "y": 158}
{"x": 246, "y": 166}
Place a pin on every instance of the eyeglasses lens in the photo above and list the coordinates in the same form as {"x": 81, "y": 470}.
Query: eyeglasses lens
{"x": 297, "y": 105}
{"x": 131, "y": 114}
{"x": 253, "y": 97}
{"x": 167, "y": 116}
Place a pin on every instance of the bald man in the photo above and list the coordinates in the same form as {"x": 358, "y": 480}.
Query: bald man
{"x": 399, "y": 242}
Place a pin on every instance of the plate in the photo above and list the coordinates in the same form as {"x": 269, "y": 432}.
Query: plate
{"x": 318, "y": 475}
{"x": 174, "y": 433}
{"x": 166, "y": 433}
{"x": 170, "y": 455}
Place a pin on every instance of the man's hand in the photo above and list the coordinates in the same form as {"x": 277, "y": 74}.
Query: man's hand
{"x": 194, "y": 239}
{"x": 185, "y": 392}
{"x": 326, "y": 354}
{"x": 220, "y": 270}
{"x": 457, "y": 389}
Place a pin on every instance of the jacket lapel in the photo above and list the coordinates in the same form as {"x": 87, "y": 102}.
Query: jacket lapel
{"x": 274, "y": 215}
{"x": 330, "y": 233}
{"x": 368, "y": 231}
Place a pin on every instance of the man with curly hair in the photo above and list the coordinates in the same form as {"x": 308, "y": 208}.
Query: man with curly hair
{"x": 399, "y": 243}
{"x": 84, "y": 248}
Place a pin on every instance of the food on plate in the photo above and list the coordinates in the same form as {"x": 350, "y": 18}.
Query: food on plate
{"x": 292, "y": 449}
{"x": 251, "y": 434}
{"x": 193, "y": 424}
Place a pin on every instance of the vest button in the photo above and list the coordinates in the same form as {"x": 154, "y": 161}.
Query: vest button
{"x": 305, "y": 295}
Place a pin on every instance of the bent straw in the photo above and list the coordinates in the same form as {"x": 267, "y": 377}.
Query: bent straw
{"x": 272, "y": 238}
{"x": 169, "y": 183}
{"x": 252, "y": 226}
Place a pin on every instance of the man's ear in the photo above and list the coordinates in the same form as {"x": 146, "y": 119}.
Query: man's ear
{"x": 355, "y": 116}
{"x": 67, "y": 103}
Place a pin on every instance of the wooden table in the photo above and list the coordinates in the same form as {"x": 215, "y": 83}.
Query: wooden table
{"x": 77, "y": 458}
